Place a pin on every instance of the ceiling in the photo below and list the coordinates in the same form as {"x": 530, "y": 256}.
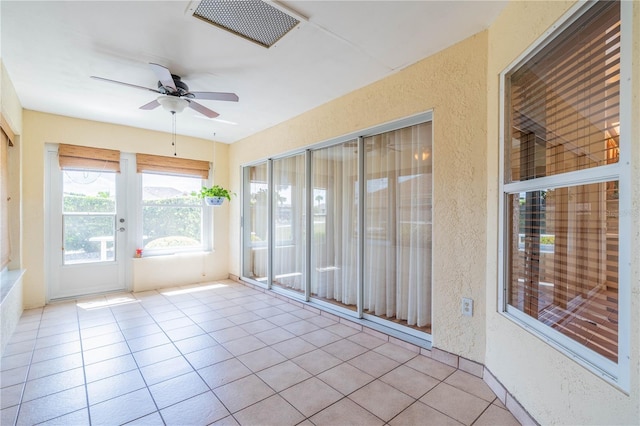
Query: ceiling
{"x": 51, "y": 48}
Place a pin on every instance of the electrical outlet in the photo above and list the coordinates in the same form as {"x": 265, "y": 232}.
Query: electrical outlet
{"x": 467, "y": 306}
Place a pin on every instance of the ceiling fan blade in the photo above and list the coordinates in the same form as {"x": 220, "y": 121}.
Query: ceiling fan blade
{"x": 216, "y": 96}
{"x": 164, "y": 76}
{"x": 151, "y": 105}
{"x": 124, "y": 84}
{"x": 203, "y": 109}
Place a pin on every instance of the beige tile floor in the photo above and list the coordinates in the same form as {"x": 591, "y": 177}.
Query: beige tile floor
{"x": 223, "y": 353}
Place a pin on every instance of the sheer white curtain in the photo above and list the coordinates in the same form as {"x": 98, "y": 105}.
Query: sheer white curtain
{"x": 397, "y": 236}
{"x": 256, "y": 238}
{"x": 334, "y": 241}
{"x": 289, "y": 222}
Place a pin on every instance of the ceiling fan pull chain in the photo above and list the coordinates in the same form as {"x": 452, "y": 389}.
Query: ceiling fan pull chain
{"x": 173, "y": 133}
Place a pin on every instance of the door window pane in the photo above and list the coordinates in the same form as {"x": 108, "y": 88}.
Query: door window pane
{"x": 89, "y": 207}
{"x": 89, "y": 238}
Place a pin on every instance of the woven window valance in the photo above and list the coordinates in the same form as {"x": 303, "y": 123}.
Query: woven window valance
{"x": 74, "y": 157}
{"x": 172, "y": 165}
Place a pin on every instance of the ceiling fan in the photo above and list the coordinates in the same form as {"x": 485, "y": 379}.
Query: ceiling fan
{"x": 175, "y": 95}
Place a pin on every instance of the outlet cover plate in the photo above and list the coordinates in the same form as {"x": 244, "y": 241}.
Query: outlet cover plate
{"x": 467, "y": 306}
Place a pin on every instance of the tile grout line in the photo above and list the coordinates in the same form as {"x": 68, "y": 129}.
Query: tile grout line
{"x": 26, "y": 377}
{"x": 184, "y": 304}
{"x": 84, "y": 373}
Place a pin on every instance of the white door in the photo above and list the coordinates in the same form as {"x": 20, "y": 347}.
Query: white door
{"x": 87, "y": 230}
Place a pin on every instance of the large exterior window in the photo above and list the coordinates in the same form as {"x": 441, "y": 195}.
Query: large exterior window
{"x": 562, "y": 188}
{"x": 172, "y": 219}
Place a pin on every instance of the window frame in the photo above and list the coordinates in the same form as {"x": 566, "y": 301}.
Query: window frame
{"x": 206, "y": 227}
{"x": 618, "y": 373}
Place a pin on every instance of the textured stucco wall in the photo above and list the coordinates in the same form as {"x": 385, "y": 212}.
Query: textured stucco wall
{"x": 550, "y": 385}
{"x": 41, "y": 128}
{"x": 452, "y": 83}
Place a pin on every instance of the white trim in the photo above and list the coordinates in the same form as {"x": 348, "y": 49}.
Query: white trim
{"x": 588, "y": 358}
{"x": 616, "y": 373}
{"x": 625, "y": 219}
{"x": 579, "y": 177}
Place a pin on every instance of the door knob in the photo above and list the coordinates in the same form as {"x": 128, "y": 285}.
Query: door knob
{"x": 121, "y": 229}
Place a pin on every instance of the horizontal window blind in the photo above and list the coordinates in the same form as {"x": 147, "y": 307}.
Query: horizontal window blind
{"x": 171, "y": 165}
{"x": 564, "y": 250}
{"x": 565, "y": 100}
{"x": 74, "y": 157}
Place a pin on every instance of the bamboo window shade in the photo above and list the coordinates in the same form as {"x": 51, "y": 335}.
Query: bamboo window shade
{"x": 568, "y": 96}
{"x": 171, "y": 165}
{"x": 5, "y": 247}
{"x": 74, "y": 157}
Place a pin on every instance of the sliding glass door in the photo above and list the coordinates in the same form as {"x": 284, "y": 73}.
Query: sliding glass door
{"x": 397, "y": 226}
{"x": 255, "y": 245}
{"x": 335, "y": 224}
{"x": 350, "y": 225}
{"x": 289, "y": 223}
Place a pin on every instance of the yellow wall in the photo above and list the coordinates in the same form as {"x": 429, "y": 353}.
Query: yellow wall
{"x": 41, "y": 128}
{"x": 11, "y": 306}
{"x": 552, "y": 387}
{"x": 460, "y": 85}
{"x": 452, "y": 84}
{"x": 12, "y": 113}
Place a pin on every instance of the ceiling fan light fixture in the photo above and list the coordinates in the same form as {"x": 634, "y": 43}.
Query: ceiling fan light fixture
{"x": 173, "y": 103}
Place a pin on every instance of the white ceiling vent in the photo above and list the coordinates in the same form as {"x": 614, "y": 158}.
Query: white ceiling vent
{"x": 254, "y": 20}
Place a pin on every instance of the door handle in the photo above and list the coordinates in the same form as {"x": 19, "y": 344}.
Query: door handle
{"x": 121, "y": 229}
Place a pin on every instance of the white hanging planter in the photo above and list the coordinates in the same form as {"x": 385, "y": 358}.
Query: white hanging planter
{"x": 213, "y": 201}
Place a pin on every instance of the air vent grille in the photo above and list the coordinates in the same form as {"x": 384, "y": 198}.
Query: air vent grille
{"x": 252, "y": 19}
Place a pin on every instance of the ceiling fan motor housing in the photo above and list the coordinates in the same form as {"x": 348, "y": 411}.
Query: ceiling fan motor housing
{"x": 182, "y": 88}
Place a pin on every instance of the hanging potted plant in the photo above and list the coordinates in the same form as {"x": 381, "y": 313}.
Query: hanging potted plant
{"x": 215, "y": 195}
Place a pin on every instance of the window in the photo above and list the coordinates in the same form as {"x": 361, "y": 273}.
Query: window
{"x": 563, "y": 188}
{"x": 173, "y": 219}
